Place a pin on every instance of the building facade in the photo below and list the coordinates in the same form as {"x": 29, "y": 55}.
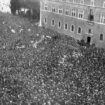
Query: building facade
{"x": 80, "y": 19}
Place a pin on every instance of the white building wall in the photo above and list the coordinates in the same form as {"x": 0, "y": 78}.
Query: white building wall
{"x": 5, "y": 6}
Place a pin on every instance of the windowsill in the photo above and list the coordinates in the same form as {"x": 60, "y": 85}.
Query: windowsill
{"x": 80, "y": 18}
{"x": 79, "y": 33}
{"x": 66, "y": 29}
{"x": 59, "y": 27}
{"x": 72, "y": 31}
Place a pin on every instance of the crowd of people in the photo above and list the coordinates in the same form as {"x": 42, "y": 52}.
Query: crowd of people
{"x": 39, "y": 66}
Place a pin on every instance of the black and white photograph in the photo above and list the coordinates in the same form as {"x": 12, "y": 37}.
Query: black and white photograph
{"x": 52, "y": 52}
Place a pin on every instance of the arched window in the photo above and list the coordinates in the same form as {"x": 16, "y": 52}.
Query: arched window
{"x": 72, "y": 28}
{"x": 66, "y": 26}
{"x": 101, "y": 36}
{"x": 53, "y": 22}
{"x": 79, "y": 30}
{"x": 59, "y": 24}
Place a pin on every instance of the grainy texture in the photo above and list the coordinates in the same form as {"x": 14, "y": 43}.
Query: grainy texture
{"x": 41, "y": 67}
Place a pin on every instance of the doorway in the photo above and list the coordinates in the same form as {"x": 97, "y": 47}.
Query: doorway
{"x": 88, "y": 40}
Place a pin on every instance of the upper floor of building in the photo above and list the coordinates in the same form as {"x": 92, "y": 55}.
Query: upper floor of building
{"x": 93, "y": 3}
{"x": 76, "y": 9}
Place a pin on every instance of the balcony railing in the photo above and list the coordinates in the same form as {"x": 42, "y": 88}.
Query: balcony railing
{"x": 91, "y": 17}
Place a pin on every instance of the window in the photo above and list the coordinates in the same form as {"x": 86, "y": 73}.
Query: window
{"x": 72, "y": 28}
{"x": 73, "y": 12}
{"x": 67, "y": 12}
{"x": 66, "y": 26}
{"x": 91, "y": 15}
{"x": 79, "y": 30}
{"x": 53, "y": 9}
{"x": 80, "y": 14}
{"x": 45, "y": 20}
{"x": 101, "y": 36}
{"x": 104, "y": 4}
{"x": 52, "y": 22}
{"x": 88, "y": 40}
{"x": 92, "y": 2}
{"x": 46, "y": 7}
{"x": 60, "y": 11}
{"x": 102, "y": 19}
{"x": 90, "y": 31}
{"x": 59, "y": 24}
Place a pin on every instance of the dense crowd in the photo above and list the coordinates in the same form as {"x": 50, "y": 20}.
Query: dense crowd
{"x": 41, "y": 67}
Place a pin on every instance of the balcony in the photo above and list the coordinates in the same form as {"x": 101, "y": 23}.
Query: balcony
{"x": 90, "y": 19}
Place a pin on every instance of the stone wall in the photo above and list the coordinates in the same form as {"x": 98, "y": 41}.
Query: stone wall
{"x": 95, "y": 26}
